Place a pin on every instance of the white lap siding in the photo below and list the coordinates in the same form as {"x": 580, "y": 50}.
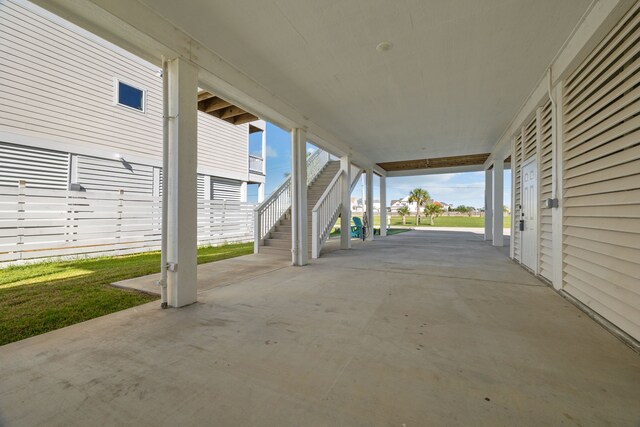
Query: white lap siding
{"x": 58, "y": 84}
{"x": 601, "y": 116}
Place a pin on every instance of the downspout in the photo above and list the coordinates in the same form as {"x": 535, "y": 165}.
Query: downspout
{"x": 554, "y": 136}
{"x": 165, "y": 169}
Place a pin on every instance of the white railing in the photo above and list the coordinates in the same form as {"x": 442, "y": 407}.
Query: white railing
{"x": 325, "y": 213}
{"x": 256, "y": 164}
{"x": 271, "y": 210}
{"x": 315, "y": 163}
{"x": 38, "y": 223}
{"x": 356, "y": 173}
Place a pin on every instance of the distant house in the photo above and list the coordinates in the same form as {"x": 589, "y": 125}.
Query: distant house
{"x": 78, "y": 113}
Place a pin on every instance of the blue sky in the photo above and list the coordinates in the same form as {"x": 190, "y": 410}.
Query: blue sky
{"x": 458, "y": 189}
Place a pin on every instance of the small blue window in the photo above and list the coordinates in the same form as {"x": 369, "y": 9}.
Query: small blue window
{"x": 130, "y": 96}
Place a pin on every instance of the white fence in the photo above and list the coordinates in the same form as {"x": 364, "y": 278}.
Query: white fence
{"x": 36, "y": 223}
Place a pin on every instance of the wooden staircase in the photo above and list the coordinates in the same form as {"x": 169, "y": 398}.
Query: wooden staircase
{"x": 279, "y": 240}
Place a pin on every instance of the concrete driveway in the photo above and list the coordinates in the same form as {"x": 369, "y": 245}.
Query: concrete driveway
{"x": 416, "y": 329}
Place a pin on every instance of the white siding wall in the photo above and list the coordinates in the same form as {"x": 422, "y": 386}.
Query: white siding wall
{"x": 223, "y": 148}
{"x": 602, "y": 178}
{"x": 57, "y": 84}
{"x": 597, "y": 235}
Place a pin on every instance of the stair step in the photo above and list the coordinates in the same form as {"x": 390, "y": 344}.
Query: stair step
{"x": 281, "y": 235}
{"x": 283, "y": 228}
{"x": 279, "y": 243}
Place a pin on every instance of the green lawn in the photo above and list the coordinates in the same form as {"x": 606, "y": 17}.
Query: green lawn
{"x": 442, "y": 221}
{"x": 38, "y": 298}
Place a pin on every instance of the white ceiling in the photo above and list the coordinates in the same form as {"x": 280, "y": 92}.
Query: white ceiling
{"x": 458, "y": 71}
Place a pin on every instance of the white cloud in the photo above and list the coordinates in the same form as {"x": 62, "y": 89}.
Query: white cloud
{"x": 271, "y": 152}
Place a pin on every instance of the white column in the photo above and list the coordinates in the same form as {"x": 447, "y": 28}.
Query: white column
{"x": 264, "y": 152}
{"x": 182, "y": 184}
{"x": 383, "y": 206}
{"x": 299, "y": 221}
{"x": 498, "y": 201}
{"x": 369, "y": 207}
{"x": 345, "y": 213}
{"x": 243, "y": 192}
{"x": 364, "y": 196}
{"x": 261, "y": 193}
{"x": 488, "y": 205}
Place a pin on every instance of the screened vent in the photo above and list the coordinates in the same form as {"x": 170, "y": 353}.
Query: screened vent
{"x": 39, "y": 168}
{"x": 201, "y": 187}
{"x": 601, "y": 118}
{"x": 97, "y": 174}
{"x": 517, "y": 210}
{"x": 226, "y": 189}
{"x": 546, "y": 163}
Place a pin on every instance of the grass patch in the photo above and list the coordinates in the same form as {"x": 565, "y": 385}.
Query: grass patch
{"x": 448, "y": 221}
{"x": 39, "y": 298}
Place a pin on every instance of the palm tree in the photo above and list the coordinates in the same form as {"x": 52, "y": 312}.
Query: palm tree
{"x": 404, "y": 211}
{"x": 433, "y": 210}
{"x": 419, "y": 197}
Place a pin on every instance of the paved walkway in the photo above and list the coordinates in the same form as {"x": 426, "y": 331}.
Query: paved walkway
{"x": 419, "y": 328}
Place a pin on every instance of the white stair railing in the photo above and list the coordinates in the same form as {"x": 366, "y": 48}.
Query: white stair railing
{"x": 268, "y": 213}
{"x": 325, "y": 213}
{"x": 315, "y": 163}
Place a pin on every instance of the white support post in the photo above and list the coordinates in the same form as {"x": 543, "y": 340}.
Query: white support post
{"x": 182, "y": 183}
{"x": 557, "y": 219}
{"x": 488, "y": 205}
{"x": 299, "y": 220}
{"x": 208, "y": 188}
{"x": 512, "y": 246}
{"x": 264, "y": 154}
{"x": 383, "y": 206}
{"x": 243, "y": 192}
{"x": 498, "y": 201}
{"x": 370, "y": 203}
{"x": 261, "y": 192}
{"x": 345, "y": 213}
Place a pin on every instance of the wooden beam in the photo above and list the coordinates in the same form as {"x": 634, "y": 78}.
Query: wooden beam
{"x": 204, "y": 95}
{"x": 212, "y": 105}
{"x": 244, "y": 118}
{"x": 437, "y": 162}
{"x": 231, "y": 111}
{"x": 218, "y": 107}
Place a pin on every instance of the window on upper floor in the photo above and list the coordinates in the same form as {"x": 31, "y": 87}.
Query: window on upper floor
{"x": 130, "y": 96}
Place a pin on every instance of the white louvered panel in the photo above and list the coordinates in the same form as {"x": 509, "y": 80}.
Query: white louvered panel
{"x": 38, "y": 167}
{"x": 200, "y": 185}
{"x": 225, "y": 189}
{"x": 546, "y": 163}
{"x": 517, "y": 168}
{"x": 602, "y": 178}
{"x": 530, "y": 142}
{"x": 96, "y": 174}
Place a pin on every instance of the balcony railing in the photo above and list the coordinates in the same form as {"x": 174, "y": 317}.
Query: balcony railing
{"x": 256, "y": 164}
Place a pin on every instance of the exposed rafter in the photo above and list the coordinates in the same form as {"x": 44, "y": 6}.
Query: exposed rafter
{"x": 434, "y": 163}
{"x": 218, "y": 107}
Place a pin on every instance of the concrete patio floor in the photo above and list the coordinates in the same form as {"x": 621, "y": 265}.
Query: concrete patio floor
{"x": 416, "y": 329}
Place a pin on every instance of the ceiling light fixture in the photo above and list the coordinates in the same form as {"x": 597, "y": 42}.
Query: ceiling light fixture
{"x": 384, "y": 47}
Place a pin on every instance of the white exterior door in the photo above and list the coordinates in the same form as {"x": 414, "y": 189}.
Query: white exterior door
{"x": 529, "y": 213}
